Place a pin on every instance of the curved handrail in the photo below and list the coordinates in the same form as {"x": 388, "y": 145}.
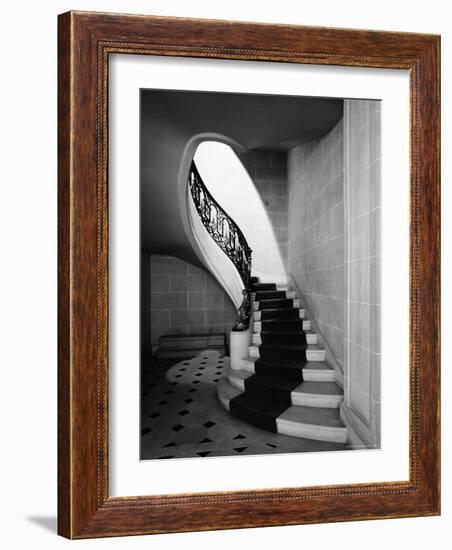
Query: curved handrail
{"x": 228, "y": 236}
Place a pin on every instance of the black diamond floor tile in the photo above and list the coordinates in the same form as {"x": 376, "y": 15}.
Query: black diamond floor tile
{"x": 208, "y": 429}
{"x": 177, "y": 427}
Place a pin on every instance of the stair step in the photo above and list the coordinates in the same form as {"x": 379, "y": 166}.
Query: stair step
{"x": 257, "y": 287}
{"x": 308, "y": 393}
{"x": 277, "y": 304}
{"x": 226, "y": 392}
{"x": 313, "y": 353}
{"x": 312, "y": 423}
{"x": 311, "y": 337}
{"x": 264, "y": 295}
{"x": 262, "y": 326}
{"x": 279, "y": 314}
{"x": 313, "y": 371}
{"x": 316, "y": 423}
{"x": 265, "y": 280}
{"x": 237, "y": 377}
{"x": 257, "y": 410}
{"x": 317, "y": 394}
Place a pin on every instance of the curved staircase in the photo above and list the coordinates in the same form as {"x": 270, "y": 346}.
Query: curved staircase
{"x": 285, "y": 385}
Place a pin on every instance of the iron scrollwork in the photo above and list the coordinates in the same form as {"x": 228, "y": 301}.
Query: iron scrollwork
{"x": 228, "y": 236}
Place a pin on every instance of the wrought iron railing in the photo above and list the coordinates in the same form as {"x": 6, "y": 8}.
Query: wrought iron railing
{"x": 228, "y": 236}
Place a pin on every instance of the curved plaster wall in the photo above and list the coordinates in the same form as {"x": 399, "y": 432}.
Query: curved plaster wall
{"x": 232, "y": 187}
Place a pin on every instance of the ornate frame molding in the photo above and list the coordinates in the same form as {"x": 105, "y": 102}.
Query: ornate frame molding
{"x": 85, "y": 42}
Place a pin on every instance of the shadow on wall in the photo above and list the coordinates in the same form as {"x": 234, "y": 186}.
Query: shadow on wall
{"x": 258, "y": 205}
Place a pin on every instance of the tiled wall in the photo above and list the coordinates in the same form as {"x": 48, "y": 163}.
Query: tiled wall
{"x": 334, "y": 252}
{"x": 184, "y": 299}
{"x": 316, "y": 234}
{"x": 268, "y": 172}
{"x": 362, "y": 207}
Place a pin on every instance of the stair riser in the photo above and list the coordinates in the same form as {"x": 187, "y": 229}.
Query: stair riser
{"x": 315, "y": 355}
{"x": 284, "y": 288}
{"x": 311, "y": 355}
{"x": 289, "y": 294}
{"x": 312, "y": 375}
{"x": 310, "y": 339}
{"x": 257, "y": 325}
{"x": 312, "y": 431}
{"x": 309, "y": 375}
{"x": 257, "y": 314}
{"x": 295, "y": 304}
{"x": 297, "y": 398}
{"x": 238, "y": 383}
{"x": 223, "y": 400}
{"x": 316, "y": 400}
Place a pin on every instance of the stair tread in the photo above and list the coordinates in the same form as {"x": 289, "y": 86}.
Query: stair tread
{"x": 274, "y": 381}
{"x": 261, "y": 405}
{"x": 281, "y": 294}
{"x": 319, "y": 416}
{"x": 263, "y": 348}
{"x": 283, "y": 362}
{"x": 292, "y": 316}
{"x": 288, "y": 347}
{"x": 280, "y": 319}
{"x": 265, "y": 288}
{"x": 269, "y": 294}
{"x": 285, "y": 332}
{"x": 284, "y": 303}
{"x": 280, "y": 309}
{"x": 282, "y": 329}
{"x": 239, "y": 373}
{"x": 309, "y": 365}
{"x": 227, "y": 390}
{"x": 318, "y": 365}
{"x": 319, "y": 388}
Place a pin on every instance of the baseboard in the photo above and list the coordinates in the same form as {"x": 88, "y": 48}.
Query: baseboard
{"x": 355, "y": 439}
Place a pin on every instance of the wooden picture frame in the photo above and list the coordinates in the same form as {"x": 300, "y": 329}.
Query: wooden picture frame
{"x": 85, "y": 508}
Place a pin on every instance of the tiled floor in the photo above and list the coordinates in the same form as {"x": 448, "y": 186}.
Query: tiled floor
{"x": 182, "y": 416}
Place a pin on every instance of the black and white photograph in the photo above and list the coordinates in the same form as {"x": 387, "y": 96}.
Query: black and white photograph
{"x": 260, "y": 274}
{"x": 224, "y": 230}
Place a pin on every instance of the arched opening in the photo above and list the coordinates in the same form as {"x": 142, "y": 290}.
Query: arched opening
{"x": 233, "y": 188}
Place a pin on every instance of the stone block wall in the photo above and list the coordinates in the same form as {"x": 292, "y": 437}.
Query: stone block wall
{"x": 334, "y": 253}
{"x": 183, "y": 299}
{"x": 316, "y": 234}
{"x": 362, "y": 207}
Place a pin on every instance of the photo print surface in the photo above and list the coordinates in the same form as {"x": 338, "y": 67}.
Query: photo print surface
{"x": 260, "y": 274}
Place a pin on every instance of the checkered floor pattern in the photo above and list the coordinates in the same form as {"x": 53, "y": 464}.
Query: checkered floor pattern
{"x": 181, "y": 416}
